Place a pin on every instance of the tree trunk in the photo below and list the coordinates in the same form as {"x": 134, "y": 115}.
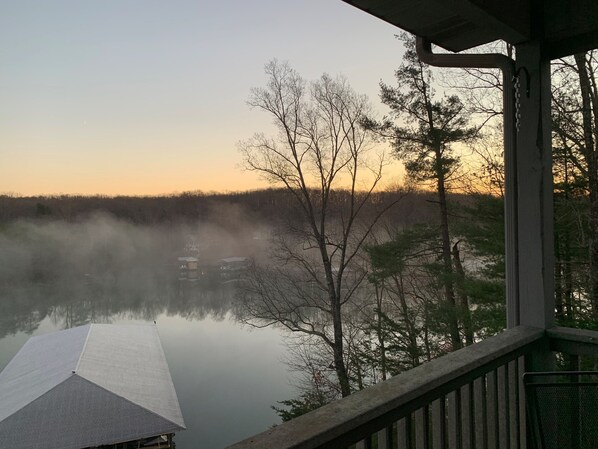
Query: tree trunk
{"x": 379, "y": 331}
{"x": 558, "y": 278}
{"x": 339, "y": 361}
{"x": 337, "y": 320}
{"x": 464, "y": 300}
{"x": 449, "y": 291}
{"x": 568, "y": 275}
{"x": 427, "y": 331}
{"x": 337, "y": 325}
{"x": 409, "y": 324}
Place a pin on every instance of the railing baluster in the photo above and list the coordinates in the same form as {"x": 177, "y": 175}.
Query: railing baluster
{"x": 467, "y": 425}
{"x": 422, "y": 427}
{"x": 385, "y": 438}
{"x": 522, "y": 411}
{"x": 503, "y": 408}
{"x": 404, "y": 433}
{"x": 454, "y": 420}
{"x": 366, "y": 443}
{"x": 492, "y": 408}
{"x": 512, "y": 373}
{"x": 481, "y": 414}
{"x": 439, "y": 423}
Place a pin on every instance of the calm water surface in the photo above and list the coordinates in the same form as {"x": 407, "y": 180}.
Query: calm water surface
{"x": 226, "y": 375}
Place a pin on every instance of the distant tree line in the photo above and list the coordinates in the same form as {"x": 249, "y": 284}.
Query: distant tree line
{"x": 270, "y": 205}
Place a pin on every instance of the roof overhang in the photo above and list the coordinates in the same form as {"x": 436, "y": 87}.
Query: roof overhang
{"x": 565, "y": 27}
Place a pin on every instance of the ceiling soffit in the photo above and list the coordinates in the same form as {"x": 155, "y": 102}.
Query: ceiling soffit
{"x": 566, "y": 27}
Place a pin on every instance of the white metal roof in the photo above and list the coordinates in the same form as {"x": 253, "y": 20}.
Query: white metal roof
{"x": 91, "y": 385}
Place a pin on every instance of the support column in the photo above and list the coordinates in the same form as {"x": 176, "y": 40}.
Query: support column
{"x": 535, "y": 190}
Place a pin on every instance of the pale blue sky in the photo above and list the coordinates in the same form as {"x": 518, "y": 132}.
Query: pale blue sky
{"x": 148, "y": 96}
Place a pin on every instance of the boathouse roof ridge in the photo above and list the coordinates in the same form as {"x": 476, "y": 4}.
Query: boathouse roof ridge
{"x": 42, "y": 363}
{"x": 88, "y": 386}
{"x": 112, "y": 356}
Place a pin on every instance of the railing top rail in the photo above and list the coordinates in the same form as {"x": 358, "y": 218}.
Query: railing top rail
{"x": 573, "y": 341}
{"x": 353, "y": 417}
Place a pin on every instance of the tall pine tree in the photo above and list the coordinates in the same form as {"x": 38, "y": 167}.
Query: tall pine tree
{"x": 424, "y": 128}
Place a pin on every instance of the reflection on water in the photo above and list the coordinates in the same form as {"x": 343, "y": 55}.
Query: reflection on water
{"x": 226, "y": 376}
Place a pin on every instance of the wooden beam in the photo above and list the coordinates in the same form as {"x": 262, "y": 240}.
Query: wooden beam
{"x": 507, "y": 19}
{"x": 571, "y": 45}
{"x": 573, "y": 341}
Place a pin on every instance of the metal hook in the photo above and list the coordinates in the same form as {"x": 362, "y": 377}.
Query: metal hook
{"x": 527, "y": 79}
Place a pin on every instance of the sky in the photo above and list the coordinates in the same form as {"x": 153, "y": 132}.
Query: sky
{"x": 146, "y": 97}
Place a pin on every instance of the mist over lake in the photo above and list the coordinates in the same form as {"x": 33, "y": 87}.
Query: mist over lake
{"x": 101, "y": 269}
{"x": 68, "y": 261}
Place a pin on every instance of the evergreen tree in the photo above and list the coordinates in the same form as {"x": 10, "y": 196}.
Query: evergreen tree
{"x": 481, "y": 229}
{"x": 406, "y": 268}
{"x": 424, "y": 131}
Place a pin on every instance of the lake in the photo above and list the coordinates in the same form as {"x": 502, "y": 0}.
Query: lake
{"x": 227, "y": 376}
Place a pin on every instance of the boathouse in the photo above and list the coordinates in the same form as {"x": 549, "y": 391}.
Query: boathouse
{"x": 90, "y": 386}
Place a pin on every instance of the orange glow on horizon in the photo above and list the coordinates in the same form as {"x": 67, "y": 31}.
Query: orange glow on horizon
{"x": 234, "y": 182}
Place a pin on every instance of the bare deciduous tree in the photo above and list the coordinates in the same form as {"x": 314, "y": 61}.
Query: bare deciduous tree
{"x": 327, "y": 162}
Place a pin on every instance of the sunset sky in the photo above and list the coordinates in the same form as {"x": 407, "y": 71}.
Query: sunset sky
{"x": 148, "y": 96}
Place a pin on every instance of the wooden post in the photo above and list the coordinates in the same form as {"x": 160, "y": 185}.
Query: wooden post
{"x": 534, "y": 189}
